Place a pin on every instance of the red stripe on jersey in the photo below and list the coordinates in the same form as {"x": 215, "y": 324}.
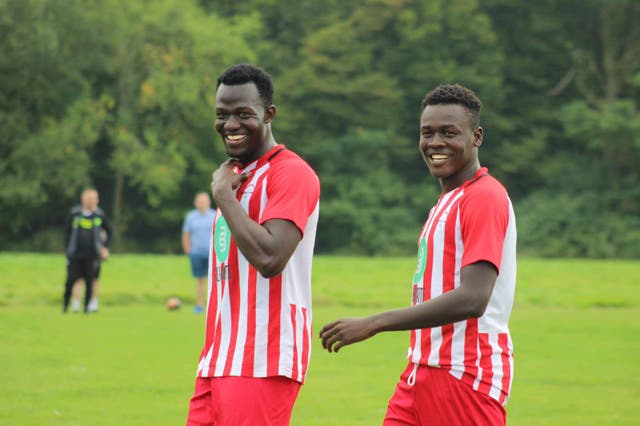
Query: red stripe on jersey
{"x": 445, "y": 346}
{"x": 218, "y": 321}
{"x": 250, "y": 344}
{"x": 275, "y": 306}
{"x": 448, "y": 284}
{"x": 213, "y": 298}
{"x": 217, "y": 328}
{"x": 294, "y": 368}
{"x": 471, "y": 348}
{"x": 306, "y": 344}
{"x": 234, "y": 307}
{"x": 485, "y": 363}
{"x": 503, "y": 343}
{"x": 412, "y": 335}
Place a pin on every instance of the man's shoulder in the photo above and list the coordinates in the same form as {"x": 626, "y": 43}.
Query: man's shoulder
{"x": 486, "y": 185}
{"x": 289, "y": 161}
{"x": 485, "y": 194}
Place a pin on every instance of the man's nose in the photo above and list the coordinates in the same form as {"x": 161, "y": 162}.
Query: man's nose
{"x": 232, "y": 123}
{"x": 436, "y": 140}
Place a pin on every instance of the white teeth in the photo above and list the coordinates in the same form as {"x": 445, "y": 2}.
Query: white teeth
{"x": 439, "y": 157}
{"x": 235, "y": 137}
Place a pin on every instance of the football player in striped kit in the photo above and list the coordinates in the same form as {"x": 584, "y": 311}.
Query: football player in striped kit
{"x": 258, "y": 326}
{"x": 461, "y": 354}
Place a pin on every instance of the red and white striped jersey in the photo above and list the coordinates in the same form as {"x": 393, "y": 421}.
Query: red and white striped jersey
{"x": 474, "y": 222}
{"x": 257, "y": 326}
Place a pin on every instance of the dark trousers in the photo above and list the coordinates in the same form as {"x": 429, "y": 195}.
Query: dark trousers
{"x": 81, "y": 265}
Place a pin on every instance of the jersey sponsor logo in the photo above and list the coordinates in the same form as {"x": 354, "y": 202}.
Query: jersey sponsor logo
{"x": 222, "y": 273}
{"x": 87, "y": 222}
{"x": 418, "y": 295}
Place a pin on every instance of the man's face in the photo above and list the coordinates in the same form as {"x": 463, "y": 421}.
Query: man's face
{"x": 449, "y": 142}
{"x": 241, "y": 121}
{"x": 202, "y": 202}
{"x": 89, "y": 200}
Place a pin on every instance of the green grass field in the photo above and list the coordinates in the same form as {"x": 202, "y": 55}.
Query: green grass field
{"x": 575, "y": 325}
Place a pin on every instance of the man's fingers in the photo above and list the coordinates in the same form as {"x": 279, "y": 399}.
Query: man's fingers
{"x": 331, "y": 342}
{"x": 328, "y": 335}
{"x": 326, "y": 328}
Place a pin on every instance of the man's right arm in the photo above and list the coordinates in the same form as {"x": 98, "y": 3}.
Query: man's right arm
{"x": 467, "y": 301}
{"x": 267, "y": 246}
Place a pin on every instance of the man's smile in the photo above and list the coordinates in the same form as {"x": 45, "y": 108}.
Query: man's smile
{"x": 234, "y": 139}
{"x": 437, "y": 159}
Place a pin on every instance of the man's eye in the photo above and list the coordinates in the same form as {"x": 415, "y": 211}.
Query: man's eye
{"x": 244, "y": 115}
{"x": 221, "y": 116}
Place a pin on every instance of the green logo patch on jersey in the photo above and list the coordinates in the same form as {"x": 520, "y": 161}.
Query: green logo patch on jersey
{"x": 222, "y": 239}
{"x": 422, "y": 261}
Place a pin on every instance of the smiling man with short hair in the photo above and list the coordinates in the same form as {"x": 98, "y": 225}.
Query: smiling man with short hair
{"x": 258, "y": 330}
{"x": 461, "y": 355}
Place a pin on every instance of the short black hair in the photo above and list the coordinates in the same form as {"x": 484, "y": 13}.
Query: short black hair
{"x": 448, "y": 94}
{"x": 247, "y": 73}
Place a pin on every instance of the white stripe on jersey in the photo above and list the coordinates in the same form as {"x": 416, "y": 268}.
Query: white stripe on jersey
{"x": 476, "y": 382}
{"x": 510, "y": 346}
{"x": 496, "y": 366}
{"x": 460, "y": 327}
{"x": 285, "y": 364}
{"x": 301, "y": 339}
{"x": 238, "y": 354}
{"x": 262, "y": 327}
{"x": 457, "y": 348}
{"x": 263, "y": 198}
{"x": 224, "y": 308}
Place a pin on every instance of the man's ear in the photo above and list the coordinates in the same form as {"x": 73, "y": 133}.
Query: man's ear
{"x": 269, "y": 113}
{"x": 477, "y": 136}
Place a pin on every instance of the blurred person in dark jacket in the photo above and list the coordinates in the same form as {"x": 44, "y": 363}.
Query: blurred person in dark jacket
{"x": 87, "y": 237}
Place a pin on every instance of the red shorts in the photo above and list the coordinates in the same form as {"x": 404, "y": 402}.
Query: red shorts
{"x": 236, "y": 401}
{"x": 439, "y": 399}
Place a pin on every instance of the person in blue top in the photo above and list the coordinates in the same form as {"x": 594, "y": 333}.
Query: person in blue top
{"x": 196, "y": 241}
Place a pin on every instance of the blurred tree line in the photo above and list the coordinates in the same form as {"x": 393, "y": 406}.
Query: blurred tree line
{"x": 119, "y": 95}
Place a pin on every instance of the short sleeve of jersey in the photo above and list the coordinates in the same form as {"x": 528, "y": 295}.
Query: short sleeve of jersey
{"x": 484, "y": 218}
{"x": 293, "y": 191}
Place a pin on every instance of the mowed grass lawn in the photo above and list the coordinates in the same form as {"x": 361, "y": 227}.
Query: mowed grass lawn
{"x": 575, "y": 325}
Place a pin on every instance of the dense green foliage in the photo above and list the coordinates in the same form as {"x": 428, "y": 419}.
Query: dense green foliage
{"x": 575, "y": 351}
{"x": 119, "y": 95}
